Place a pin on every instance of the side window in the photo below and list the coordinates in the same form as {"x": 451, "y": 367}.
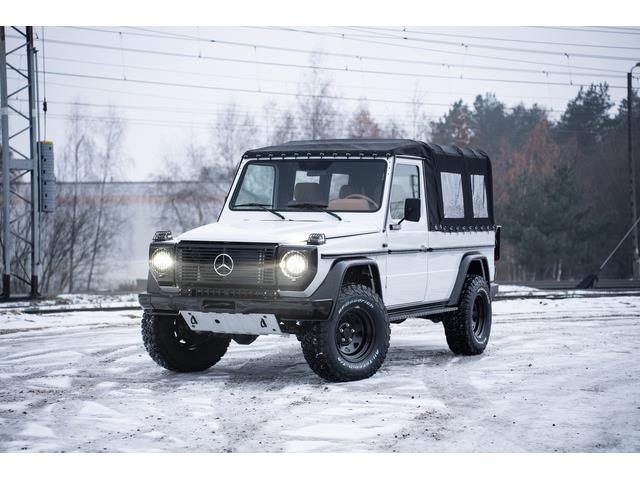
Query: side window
{"x": 452, "y": 198}
{"x": 406, "y": 184}
{"x": 257, "y": 185}
{"x": 479, "y": 196}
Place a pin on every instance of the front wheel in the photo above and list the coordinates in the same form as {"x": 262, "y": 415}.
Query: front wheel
{"x": 468, "y": 329}
{"x": 174, "y": 346}
{"x": 353, "y": 343}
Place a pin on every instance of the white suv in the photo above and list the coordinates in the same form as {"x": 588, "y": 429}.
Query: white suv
{"x": 331, "y": 241}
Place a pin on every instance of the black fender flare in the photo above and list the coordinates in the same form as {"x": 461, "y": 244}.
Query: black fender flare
{"x": 330, "y": 286}
{"x": 469, "y": 257}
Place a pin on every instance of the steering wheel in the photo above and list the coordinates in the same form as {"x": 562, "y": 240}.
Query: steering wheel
{"x": 362, "y": 197}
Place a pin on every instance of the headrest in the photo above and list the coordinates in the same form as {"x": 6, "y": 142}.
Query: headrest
{"x": 307, "y": 192}
{"x": 347, "y": 190}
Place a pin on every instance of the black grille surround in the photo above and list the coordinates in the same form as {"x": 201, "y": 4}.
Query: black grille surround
{"x": 253, "y": 274}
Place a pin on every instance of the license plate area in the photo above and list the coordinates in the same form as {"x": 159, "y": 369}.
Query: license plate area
{"x": 234, "y": 323}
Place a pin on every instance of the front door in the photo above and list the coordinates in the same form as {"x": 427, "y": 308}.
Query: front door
{"x": 406, "y": 279}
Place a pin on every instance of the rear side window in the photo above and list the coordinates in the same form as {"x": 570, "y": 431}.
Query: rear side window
{"x": 479, "y": 196}
{"x": 452, "y": 197}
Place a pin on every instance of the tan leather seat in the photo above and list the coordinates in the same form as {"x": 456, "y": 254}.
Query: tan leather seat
{"x": 356, "y": 204}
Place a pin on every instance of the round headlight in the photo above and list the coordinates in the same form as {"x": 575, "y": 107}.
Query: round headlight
{"x": 293, "y": 264}
{"x": 161, "y": 262}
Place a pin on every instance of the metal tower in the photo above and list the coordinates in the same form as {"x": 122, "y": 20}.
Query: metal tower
{"x": 20, "y": 157}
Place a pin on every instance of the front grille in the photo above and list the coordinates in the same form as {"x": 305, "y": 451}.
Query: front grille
{"x": 254, "y": 265}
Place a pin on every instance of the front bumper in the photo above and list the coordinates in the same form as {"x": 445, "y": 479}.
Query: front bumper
{"x": 284, "y": 308}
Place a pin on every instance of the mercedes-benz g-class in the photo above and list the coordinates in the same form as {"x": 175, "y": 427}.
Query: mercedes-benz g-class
{"x": 331, "y": 241}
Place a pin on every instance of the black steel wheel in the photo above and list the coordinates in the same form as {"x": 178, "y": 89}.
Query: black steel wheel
{"x": 468, "y": 329}
{"x": 353, "y": 343}
{"x": 479, "y": 316}
{"x": 355, "y": 331}
{"x": 174, "y": 346}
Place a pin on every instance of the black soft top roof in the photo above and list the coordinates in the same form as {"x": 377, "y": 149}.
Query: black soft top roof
{"x": 437, "y": 159}
{"x": 367, "y": 147}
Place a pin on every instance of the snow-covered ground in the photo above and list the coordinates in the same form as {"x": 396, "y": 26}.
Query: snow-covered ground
{"x": 558, "y": 375}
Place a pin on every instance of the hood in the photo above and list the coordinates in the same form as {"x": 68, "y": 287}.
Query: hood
{"x": 274, "y": 231}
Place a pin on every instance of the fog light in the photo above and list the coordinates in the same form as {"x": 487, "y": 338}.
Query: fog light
{"x": 162, "y": 262}
{"x": 293, "y": 264}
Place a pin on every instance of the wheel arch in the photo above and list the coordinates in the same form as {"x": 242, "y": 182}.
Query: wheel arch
{"x": 362, "y": 271}
{"x": 473, "y": 263}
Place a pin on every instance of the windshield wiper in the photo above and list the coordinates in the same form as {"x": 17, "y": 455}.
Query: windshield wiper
{"x": 262, "y": 206}
{"x": 319, "y": 207}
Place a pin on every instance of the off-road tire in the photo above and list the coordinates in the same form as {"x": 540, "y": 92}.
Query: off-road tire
{"x": 164, "y": 347}
{"x": 320, "y": 343}
{"x": 459, "y": 325}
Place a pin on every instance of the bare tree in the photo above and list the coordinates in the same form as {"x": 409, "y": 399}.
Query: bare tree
{"x": 393, "y": 129}
{"x": 110, "y": 136}
{"x": 419, "y": 122}
{"x": 285, "y": 129}
{"x": 362, "y": 124}
{"x": 193, "y": 188}
{"x": 318, "y": 116}
{"x": 234, "y": 133}
{"x": 78, "y": 154}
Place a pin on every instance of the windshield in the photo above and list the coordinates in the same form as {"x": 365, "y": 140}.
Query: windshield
{"x": 331, "y": 185}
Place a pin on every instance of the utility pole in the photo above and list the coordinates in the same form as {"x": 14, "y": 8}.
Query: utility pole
{"x": 632, "y": 173}
{"x": 18, "y": 161}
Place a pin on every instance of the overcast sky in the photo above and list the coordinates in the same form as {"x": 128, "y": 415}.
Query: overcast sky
{"x": 171, "y": 95}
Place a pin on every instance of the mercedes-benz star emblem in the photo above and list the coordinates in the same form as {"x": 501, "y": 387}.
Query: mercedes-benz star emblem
{"x": 223, "y": 264}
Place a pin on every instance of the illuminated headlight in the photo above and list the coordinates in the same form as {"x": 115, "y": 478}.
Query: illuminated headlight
{"x": 294, "y": 264}
{"x": 161, "y": 262}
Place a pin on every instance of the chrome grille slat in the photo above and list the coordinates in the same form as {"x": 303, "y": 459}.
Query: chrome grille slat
{"x": 254, "y": 265}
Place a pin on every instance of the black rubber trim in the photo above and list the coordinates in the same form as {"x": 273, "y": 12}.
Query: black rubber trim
{"x": 354, "y": 254}
{"x": 373, "y": 252}
{"x": 462, "y": 274}
{"x": 400, "y": 252}
{"x": 299, "y": 309}
{"x": 401, "y": 313}
{"x": 352, "y": 235}
{"x": 466, "y": 247}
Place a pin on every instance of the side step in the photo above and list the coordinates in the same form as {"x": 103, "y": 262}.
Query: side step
{"x": 396, "y": 315}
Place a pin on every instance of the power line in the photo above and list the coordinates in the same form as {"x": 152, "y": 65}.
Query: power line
{"x": 501, "y": 39}
{"x": 594, "y": 30}
{"x": 378, "y": 72}
{"x": 366, "y": 39}
{"x": 291, "y": 94}
{"x": 237, "y": 77}
{"x": 500, "y": 48}
{"x": 199, "y": 101}
{"x": 229, "y": 89}
{"x": 172, "y": 36}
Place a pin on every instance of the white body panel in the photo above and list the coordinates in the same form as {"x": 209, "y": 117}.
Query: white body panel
{"x": 446, "y": 255}
{"x": 406, "y": 279}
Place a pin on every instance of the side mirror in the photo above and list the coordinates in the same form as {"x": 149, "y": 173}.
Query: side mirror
{"x": 411, "y": 210}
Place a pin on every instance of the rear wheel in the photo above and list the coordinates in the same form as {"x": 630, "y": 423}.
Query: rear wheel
{"x": 174, "y": 346}
{"x": 468, "y": 329}
{"x": 353, "y": 343}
